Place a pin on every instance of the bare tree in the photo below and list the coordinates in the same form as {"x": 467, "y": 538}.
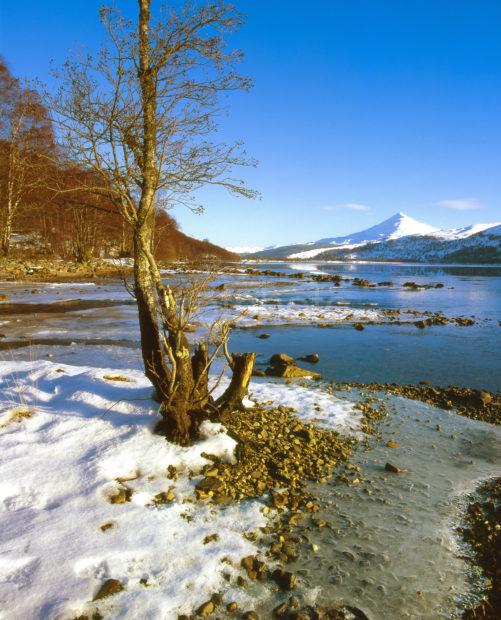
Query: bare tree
{"x": 140, "y": 116}
{"x": 26, "y": 137}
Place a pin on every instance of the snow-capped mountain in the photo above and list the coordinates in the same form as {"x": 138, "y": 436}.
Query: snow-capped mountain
{"x": 461, "y": 233}
{"x": 400, "y": 237}
{"x": 399, "y": 225}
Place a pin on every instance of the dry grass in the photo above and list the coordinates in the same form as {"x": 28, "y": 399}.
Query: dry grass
{"x": 17, "y": 414}
{"x": 118, "y": 378}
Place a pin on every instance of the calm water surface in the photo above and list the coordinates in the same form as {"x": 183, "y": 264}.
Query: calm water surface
{"x": 442, "y": 355}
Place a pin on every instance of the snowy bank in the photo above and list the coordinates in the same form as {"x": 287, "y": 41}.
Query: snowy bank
{"x": 74, "y": 440}
{"x": 292, "y": 314}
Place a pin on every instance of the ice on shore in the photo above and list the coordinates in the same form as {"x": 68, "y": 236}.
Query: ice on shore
{"x": 289, "y": 314}
{"x": 72, "y": 437}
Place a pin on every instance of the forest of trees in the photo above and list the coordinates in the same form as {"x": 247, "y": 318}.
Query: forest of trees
{"x": 42, "y": 214}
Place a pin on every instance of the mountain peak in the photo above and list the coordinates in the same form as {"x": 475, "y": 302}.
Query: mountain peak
{"x": 396, "y": 226}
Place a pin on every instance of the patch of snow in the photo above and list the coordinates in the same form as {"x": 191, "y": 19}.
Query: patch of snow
{"x": 308, "y": 253}
{"x": 289, "y": 314}
{"x": 245, "y": 249}
{"x": 57, "y": 470}
{"x": 462, "y": 233}
{"x": 311, "y": 405}
{"x": 89, "y": 434}
{"x": 494, "y": 230}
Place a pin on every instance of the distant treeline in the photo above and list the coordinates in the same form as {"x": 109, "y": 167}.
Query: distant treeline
{"x": 45, "y": 206}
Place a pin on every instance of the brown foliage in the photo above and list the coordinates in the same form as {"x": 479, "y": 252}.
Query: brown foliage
{"x": 43, "y": 210}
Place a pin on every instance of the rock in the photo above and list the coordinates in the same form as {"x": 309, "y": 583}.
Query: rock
{"x": 312, "y": 358}
{"x": 258, "y": 373}
{"x": 209, "y": 483}
{"x": 211, "y": 538}
{"x": 420, "y": 324}
{"x": 392, "y": 444}
{"x": 485, "y": 398}
{"x": 278, "y": 500}
{"x": 264, "y": 336}
{"x": 291, "y": 372}
{"x": 281, "y": 610}
{"x": 392, "y": 468}
{"x": 412, "y": 285}
{"x": 353, "y": 613}
{"x": 248, "y": 562}
{"x": 282, "y": 359}
{"x": 293, "y": 602}
{"x": 121, "y": 495}
{"x": 250, "y": 615}
{"x": 108, "y": 588}
{"x": 232, "y": 607}
{"x": 164, "y": 497}
{"x": 284, "y": 579}
{"x": 206, "y": 609}
{"x": 359, "y": 326}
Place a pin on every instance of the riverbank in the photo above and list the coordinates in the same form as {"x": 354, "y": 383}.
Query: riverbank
{"x": 474, "y": 404}
{"x": 261, "y": 508}
{"x": 239, "y": 510}
{"x": 482, "y": 532}
{"x": 125, "y": 500}
{"x": 52, "y": 270}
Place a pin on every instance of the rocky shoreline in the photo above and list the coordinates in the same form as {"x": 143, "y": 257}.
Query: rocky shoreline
{"x": 53, "y": 271}
{"x": 279, "y": 456}
{"x": 482, "y": 532}
{"x": 474, "y": 404}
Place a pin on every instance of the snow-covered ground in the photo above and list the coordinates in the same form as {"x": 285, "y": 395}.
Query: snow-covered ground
{"x": 298, "y": 314}
{"x": 72, "y": 438}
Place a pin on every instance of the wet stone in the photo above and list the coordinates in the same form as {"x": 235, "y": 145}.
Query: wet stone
{"x": 206, "y": 609}
{"x": 284, "y": 579}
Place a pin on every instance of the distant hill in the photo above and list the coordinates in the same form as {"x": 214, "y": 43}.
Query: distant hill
{"x": 400, "y": 237}
{"x": 172, "y": 244}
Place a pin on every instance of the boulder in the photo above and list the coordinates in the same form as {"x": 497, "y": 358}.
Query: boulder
{"x": 206, "y": 609}
{"x": 256, "y": 372}
{"x": 108, "y": 588}
{"x": 282, "y": 359}
{"x": 312, "y": 358}
{"x": 485, "y": 398}
{"x": 392, "y": 468}
{"x": 291, "y": 372}
{"x": 284, "y": 579}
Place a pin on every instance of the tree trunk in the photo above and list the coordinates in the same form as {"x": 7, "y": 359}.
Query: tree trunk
{"x": 232, "y": 399}
{"x": 200, "y": 368}
{"x": 4, "y": 246}
{"x": 5, "y": 237}
{"x": 180, "y": 379}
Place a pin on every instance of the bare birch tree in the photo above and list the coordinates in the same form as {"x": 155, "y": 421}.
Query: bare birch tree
{"x": 141, "y": 116}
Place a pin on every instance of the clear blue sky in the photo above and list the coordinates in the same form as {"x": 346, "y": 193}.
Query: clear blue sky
{"x": 361, "y": 108}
